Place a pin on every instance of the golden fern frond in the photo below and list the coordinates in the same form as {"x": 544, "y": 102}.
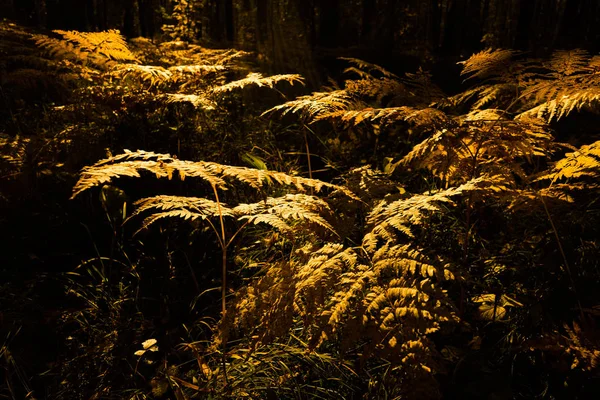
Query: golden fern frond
{"x": 319, "y": 275}
{"x": 224, "y": 58}
{"x": 352, "y": 287}
{"x": 568, "y": 82}
{"x": 256, "y": 178}
{"x": 148, "y": 74}
{"x": 198, "y": 69}
{"x": 324, "y": 265}
{"x": 197, "y": 205}
{"x": 402, "y": 215}
{"x": 441, "y": 154}
{"x": 566, "y": 102}
{"x": 272, "y": 220}
{"x": 482, "y": 142}
{"x": 405, "y": 214}
{"x": 493, "y": 187}
{"x": 316, "y": 105}
{"x": 265, "y": 307}
{"x": 130, "y": 164}
{"x": 486, "y": 115}
{"x": 557, "y": 194}
{"x": 389, "y": 306}
{"x": 487, "y": 63}
{"x": 583, "y": 163}
{"x": 421, "y": 87}
{"x": 365, "y": 69}
{"x": 569, "y": 62}
{"x": 408, "y": 261}
{"x": 203, "y": 75}
{"x": 371, "y": 184}
{"x": 57, "y": 48}
{"x": 276, "y": 211}
{"x": 430, "y": 118}
{"x": 186, "y": 208}
{"x": 415, "y": 89}
{"x": 129, "y": 155}
{"x": 110, "y": 43}
{"x": 164, "y": 166}
{"x": 98, "y": 48}
{"x": 268, "y": 305}
{"x": 394, "y": 302}
{"x": 256, "y": 79}
{"x": 355, "y": 117}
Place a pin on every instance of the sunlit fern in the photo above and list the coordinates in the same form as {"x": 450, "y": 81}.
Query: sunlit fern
{"x": 131, "y": 164}
{"x": 256, "y": 79}
{"x": 549, "y": 89}
{"x": 275, "y": 212}
{"x": 317, "y": 105}
{"x": 100, "y": 49}
{"x": 581, "y": 164}
{"x": 481, "y": 143}
{"x": 386, "y": 306}
{"x": 569, "y": 82}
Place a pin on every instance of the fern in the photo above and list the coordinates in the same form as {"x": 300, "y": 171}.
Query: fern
{"x": 256, "y": 79}
{"x": 583, "y": 163}
{"x": 146, "y": 74}
{"x": 387, "y": 306}
{"x": 568, "y": 83}
{"x": 130, "y": 164}
{"x": 483, "y": 142}
{"x": 428, "y": 118}
{"x": 274, "y": 212}
{"x": 296, "y": 207}
{"x": 316, "y": 106}
{"x": 487, "y": 63}
{"x": 101, "y": 49}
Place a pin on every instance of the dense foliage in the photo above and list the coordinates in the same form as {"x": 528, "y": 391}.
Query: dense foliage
{"x": 230, "y": 236}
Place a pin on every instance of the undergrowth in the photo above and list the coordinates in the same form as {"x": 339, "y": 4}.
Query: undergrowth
{"x": 375, "y": 239}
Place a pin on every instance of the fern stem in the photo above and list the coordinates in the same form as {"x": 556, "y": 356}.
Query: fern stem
{"x": 308, "y": 157}
{"x": 224, "y": 246}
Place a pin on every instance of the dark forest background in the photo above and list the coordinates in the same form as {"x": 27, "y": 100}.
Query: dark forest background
{"x": 289, "y": 33}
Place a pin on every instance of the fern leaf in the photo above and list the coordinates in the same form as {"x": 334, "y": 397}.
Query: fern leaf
{"x": 256, "y": 79}
{"x": 487, "y": 63}
{"x": 97, "y": 48}
{"x": 164, "y": 166}
{"x": 569, "y": 62}
{"x": 317, "y": 105}
{"x": 583, "y": 163}
{"x": 296, "y": 207}
{"x": 153, "y": 76}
